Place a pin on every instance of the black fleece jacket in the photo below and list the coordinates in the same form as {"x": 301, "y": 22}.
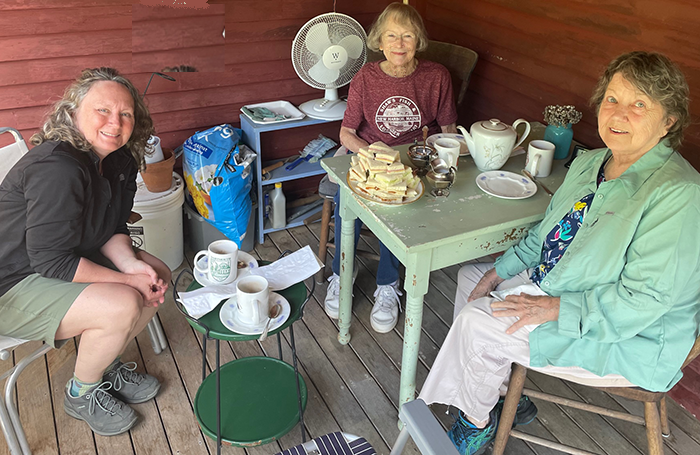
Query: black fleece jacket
{"x": 55, "y": 208}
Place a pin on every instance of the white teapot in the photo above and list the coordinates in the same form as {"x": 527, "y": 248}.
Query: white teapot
{"x": 491, "y": 142}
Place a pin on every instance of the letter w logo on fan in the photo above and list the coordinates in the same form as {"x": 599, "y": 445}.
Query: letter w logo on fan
{"x": 335, "y": 55}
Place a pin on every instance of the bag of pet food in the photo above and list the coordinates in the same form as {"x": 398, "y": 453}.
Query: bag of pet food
{"x": 218, "y": 176}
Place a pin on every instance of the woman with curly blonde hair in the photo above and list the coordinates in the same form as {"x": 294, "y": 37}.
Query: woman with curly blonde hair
{"x": 60, "y": 125}
{"x": 67, "y": 265}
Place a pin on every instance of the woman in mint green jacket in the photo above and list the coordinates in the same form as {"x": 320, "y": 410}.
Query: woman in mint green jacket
{"x": 608, "y": 284}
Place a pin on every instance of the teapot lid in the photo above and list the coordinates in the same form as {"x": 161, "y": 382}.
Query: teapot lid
{"x": 494, "y": 125}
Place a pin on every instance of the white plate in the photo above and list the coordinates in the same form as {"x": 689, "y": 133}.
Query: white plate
{"x": 506, "y": 185}
{"x": 278, "y": 107}
{"x": 463, "y": 149}
{"x": 353, "y": 186}
{"x": 202, "y": 278}
{"x": 229, "y": 316}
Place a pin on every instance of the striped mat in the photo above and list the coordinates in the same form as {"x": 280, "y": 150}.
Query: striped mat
{"x": 332, "y": 444}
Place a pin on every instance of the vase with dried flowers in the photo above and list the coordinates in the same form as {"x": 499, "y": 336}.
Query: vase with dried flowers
{"x": 559, "y": 132}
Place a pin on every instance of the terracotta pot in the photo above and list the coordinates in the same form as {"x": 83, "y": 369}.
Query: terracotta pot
{"x": 158, "y": 176}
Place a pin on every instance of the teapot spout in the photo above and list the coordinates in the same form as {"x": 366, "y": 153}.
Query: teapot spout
{"x": 467, "y": 138}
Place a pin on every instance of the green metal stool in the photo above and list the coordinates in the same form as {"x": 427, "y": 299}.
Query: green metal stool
{"x": 263, "y": 398}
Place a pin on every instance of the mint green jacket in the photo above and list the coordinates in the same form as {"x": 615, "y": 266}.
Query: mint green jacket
{"x": 629, "y": 283}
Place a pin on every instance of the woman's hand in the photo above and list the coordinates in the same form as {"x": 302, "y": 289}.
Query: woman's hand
{"x": 350, "y": 139}
{"x": 451, "y": 128}
{"x": 530, "y": 309}
{"x": 153, "y": 292}
{"x": 486, "y": 284}
{"x": 135, "y": 266}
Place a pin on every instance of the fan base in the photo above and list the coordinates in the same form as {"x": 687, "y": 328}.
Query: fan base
{"x": 324, "y": 109}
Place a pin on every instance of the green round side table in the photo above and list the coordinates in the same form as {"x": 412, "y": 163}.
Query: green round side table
{"x": 258, "y": 403}
{"x": 262, "y": 398}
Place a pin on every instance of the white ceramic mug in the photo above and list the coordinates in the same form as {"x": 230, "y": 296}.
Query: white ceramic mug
{"x": 253, "y": 300}
{"x": 222, "y": 261}
{"x": 448, "y": 149}
{"x": 539, "y": 158}
{"x": 154, "y": 151}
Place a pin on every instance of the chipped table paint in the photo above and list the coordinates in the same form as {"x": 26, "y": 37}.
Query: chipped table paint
{"x": 430, "y": 234}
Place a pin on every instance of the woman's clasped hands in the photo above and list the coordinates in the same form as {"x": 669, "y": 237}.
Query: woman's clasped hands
{"x": 144, "y": 279}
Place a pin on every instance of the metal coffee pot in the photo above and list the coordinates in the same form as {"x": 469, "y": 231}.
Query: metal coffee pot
{"x": 441, "y": 177}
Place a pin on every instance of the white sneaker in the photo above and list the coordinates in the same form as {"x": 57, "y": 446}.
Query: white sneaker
{"x": 332, "y": 301}
{"x": 385, "y": 312}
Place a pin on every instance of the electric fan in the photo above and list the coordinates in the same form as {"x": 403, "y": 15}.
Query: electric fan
{"x": 326, "y": 53}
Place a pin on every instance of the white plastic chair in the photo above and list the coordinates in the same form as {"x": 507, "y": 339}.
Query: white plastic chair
{"x": 9, "y": 417}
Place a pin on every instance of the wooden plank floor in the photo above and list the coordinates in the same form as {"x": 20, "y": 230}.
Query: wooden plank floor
{"x": 352, "y": 388}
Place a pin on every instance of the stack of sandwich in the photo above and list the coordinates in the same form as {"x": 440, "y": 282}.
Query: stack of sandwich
{"x": 380, "y": 174}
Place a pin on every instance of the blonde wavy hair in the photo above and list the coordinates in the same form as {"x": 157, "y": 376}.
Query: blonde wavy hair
{"x": 60, "y": 124}
{"x": 404, "y": 15}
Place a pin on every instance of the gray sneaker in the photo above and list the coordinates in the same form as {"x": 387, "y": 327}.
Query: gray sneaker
{"x": 106, "y": 415}
{"x": 129, "y": 385}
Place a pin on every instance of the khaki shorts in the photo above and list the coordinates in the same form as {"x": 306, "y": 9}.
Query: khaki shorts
{"x": 33, "y": 308}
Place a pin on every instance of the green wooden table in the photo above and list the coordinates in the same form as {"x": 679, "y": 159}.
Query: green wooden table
{"x": 430, "y": 234}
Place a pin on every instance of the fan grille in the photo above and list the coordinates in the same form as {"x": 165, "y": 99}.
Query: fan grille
{"x": 339, "y": 26}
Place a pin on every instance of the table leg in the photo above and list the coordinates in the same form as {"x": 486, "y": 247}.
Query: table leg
{"x": 347, "y": 256}
{"x": 416, "y": 286}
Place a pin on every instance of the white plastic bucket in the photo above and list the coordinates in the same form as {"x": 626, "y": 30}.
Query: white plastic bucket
{"x": 160, "y": 229}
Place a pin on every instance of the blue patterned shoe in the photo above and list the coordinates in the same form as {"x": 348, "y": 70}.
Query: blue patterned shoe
{"x": 526, "y": 412}
{"x": 470, "y": 440}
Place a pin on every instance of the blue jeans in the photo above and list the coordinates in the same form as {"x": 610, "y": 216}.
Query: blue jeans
{"x": 388, "y": 271}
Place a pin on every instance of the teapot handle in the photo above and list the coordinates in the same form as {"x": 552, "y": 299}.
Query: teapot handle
{"x": 527, "y": 131}
{"x": 453, "y": 171}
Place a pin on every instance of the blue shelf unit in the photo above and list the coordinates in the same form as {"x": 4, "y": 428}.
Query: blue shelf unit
{"x": 251, "y": 137}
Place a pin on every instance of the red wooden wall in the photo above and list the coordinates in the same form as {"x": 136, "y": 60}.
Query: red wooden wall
{"x": 540, "y": 52}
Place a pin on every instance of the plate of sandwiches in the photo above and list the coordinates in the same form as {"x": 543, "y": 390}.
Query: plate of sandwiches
{"x": 378, "y": 175}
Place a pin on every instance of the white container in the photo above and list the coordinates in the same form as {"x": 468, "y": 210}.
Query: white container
{"x": 278, "y": 107}
{"x": 278, "y": 217}
{"x": 155, "y": 152}
{"x": 159, "y": 231}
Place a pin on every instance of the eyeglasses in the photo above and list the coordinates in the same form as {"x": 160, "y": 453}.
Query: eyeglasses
{"x": 391, "y": 38}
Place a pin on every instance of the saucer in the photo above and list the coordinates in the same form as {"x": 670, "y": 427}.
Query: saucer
{"x": 251, "y": 263}
{"x": 229, "y": 316}
{"x": 506, "y": 185}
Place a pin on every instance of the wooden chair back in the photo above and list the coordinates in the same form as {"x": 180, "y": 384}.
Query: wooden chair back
{"x": 694, "y": 352}
{"x": 459, "y": 61}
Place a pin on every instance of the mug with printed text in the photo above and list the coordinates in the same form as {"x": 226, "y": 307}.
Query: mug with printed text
{"x": 222, "y": 261}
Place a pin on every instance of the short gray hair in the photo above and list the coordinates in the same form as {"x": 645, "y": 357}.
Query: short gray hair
{"x": 60, "y": 124}
{"x": 403, "y": 14}
{"x": 658, "y": 78}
